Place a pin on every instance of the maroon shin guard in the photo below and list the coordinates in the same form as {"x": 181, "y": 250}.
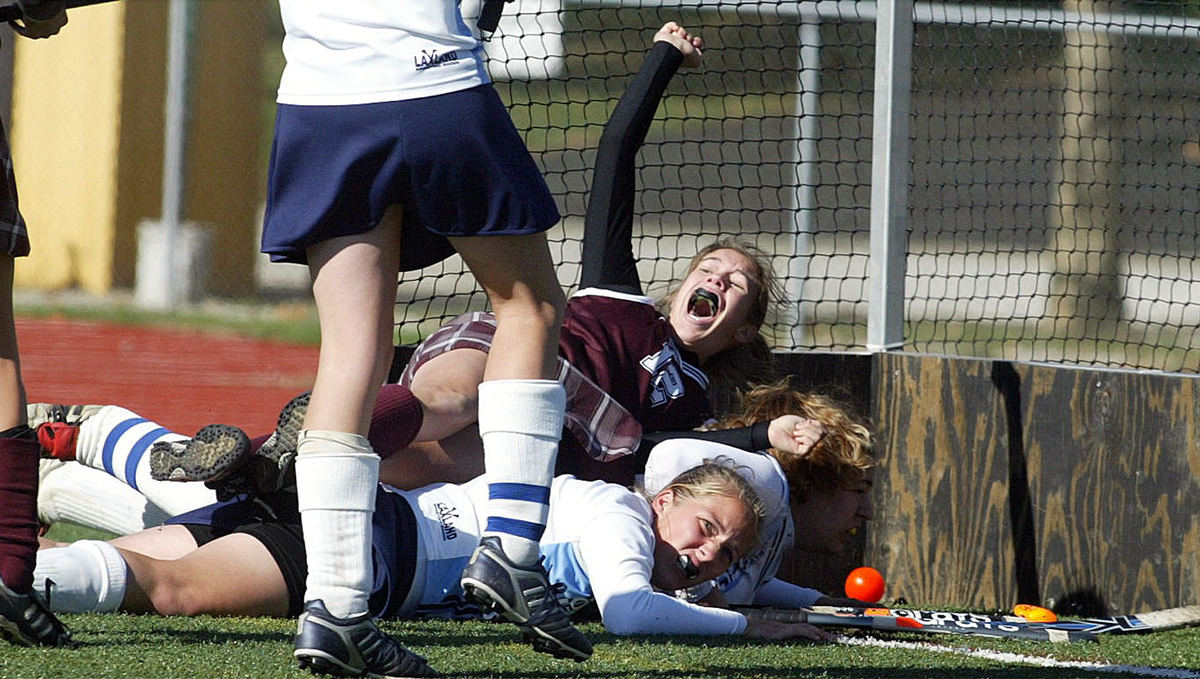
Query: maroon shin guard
{"x": 18, "y": 511}
{"x": 395, "y": 421}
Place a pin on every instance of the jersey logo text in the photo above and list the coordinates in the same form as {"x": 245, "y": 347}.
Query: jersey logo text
{"x": 666, "y": 378}
{"x": 429, "y": 59}
{"x": 447, "y": 515}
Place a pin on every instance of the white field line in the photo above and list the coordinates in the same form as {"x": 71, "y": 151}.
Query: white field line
{"x": 1004, "y": 656}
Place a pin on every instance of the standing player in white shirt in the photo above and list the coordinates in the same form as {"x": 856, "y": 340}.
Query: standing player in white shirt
{"x": 392, "y": 151}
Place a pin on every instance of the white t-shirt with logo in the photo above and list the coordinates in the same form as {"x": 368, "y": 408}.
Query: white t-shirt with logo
{"x": 344, "y": 52}
{"x": 599, "y": 544}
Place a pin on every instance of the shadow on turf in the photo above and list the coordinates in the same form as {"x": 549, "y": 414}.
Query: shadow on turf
{"x": 503, "y": 633}
{"x": 491, "y": 635}
{"x": 209, "y": 631}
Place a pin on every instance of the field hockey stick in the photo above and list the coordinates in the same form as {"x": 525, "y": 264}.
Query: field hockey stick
{"x": 12, "y": 12}
{"x": 900, "y": 623}
{"x": 1150, "y": 621}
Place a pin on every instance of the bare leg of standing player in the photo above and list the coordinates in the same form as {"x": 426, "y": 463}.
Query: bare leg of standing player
{"x": 336, "y": 468}
{"x": 521, "y": 407}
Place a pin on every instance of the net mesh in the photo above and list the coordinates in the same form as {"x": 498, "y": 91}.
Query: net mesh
{"x": 1054, "y": 169}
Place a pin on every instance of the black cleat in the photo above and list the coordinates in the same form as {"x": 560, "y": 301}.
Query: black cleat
{"x": 271, "y": 467}
{"x": 351, "y": 647}
{"x": 25, "y": 620}
{"x": 220, "y": 455}
{"x": 525, "y": 597}
{"x": 216, "y": 451}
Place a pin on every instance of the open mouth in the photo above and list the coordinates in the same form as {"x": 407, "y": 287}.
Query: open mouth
{"x": 704, "y": 303}
{"x": 691, "y": 570}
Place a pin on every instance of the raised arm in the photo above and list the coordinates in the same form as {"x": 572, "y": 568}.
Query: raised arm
{"x": 608, "y": 259}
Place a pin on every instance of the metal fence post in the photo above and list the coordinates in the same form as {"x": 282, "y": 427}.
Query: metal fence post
{"x": 889, "y": 175}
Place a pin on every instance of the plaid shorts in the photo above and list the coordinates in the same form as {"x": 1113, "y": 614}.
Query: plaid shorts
{"x": 604, "y": 428}
{"x": 14, "y": 241}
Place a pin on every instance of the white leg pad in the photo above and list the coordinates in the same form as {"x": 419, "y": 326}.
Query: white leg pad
{"x": 336, "y": 478}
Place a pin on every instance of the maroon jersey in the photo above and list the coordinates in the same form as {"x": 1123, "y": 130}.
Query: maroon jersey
{"x": 625, "y": 347}
{"x": 622, "y": 373}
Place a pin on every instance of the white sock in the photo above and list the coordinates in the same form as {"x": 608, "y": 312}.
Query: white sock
{"x": 520, "y": 422}
{"x": 117, "y": 441}
{"x": 86, "y": 576}
{"x": 69, "y": 491}
{"x": 336, "y": 477}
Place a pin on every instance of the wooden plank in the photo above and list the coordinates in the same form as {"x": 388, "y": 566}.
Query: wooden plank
{"x": 1115, "y": 470}
{"x": 1006, "y": 482}
{"x": 941, "y": 531}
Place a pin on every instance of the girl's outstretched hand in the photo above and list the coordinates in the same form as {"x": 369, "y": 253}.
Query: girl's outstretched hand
{"x": 773, "y": 630}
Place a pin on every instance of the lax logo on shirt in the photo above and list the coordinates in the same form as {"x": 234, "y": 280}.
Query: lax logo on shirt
{"x": 447, "y": 516}
{"x": 666, "y": 374}
{"x": 430, "y": 59}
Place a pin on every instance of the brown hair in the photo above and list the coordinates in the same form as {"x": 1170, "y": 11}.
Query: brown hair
{"x": 731, "y": 371}
{"x": 837, "y": 460}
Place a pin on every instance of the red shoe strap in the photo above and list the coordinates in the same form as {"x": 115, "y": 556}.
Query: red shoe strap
{"x": 57, "y": 439}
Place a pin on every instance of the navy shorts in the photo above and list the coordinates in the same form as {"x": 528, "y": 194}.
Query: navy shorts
{"x": 274, "y": 520}
{"x": 453, "y": 161}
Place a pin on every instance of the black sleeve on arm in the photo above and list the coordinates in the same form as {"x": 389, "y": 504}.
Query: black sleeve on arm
{"x": 41, "y": 10}
{"x": 753, "y": 438}
{"x": 608, "y": 259}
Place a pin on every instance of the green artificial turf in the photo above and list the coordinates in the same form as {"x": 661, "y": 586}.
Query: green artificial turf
{"x": 136, "y": 646}
{"x": 121, "y": 645}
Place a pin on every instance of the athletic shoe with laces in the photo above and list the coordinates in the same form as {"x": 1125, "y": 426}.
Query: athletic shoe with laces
{"x": 220, "y": 455}
{"x": 25, "y": 620}
{"x": 74, "y": 415}
{"x": 351, "y": 647}
{"x": 523, "y": 595}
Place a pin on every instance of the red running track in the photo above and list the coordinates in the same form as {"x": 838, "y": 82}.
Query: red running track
{"x": 182, "y": 379}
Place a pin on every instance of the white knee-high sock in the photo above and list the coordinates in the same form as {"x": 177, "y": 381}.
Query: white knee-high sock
{"x": 117, "y": 441}
{"x": 336, "y": 477}
{"x": 86, "y": 576}
{"x": 70, "y": 491}
{"x": 520, "y": 422}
